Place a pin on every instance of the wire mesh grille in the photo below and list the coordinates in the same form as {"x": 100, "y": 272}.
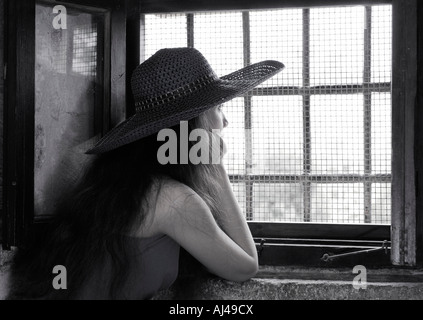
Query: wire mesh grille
{"x": 312, "y": 144}
{"x": 85, "y": 50}
{"x": 73, "y": 49}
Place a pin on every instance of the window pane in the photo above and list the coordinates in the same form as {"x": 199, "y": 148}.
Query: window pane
{"x": 85, "y": 50}
{"x": 381, "y": 133}
{"x": 234, "y": 136}
{"x": 337, "y": 203}
{"x": 218, "y": 36}
{"x": 316, "y": 153}
{"x": 277, "y": 135}
{"x": 239, "y": 191}
{"x": 337, "y": 134}
{"x": 164, "y": 31}
{"x": 336, "y": 45}
{"x": 278, "y": 35}
{"x": 278, "y": 202}
{"x": 381, "y": 203}
{"x": 381, "y": 43}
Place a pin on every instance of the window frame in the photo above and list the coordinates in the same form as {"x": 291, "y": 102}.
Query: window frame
{"x": 19, "y": 111}
{"x": 403, "y": 194}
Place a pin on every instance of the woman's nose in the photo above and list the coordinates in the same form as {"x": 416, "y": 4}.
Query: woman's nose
{"x": 225, "y": 122}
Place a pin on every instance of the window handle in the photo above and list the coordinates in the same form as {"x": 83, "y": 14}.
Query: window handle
{"x": 261, "y": 247}
{"x": 327, "y": 257}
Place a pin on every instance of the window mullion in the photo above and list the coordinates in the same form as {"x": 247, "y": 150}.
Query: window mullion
{"x": 329, "y": 178}
{"x": 367, "y": 116}
{"x": 306, "y": 116}
{"x": 248, "y": 119}
{"x": 190, "y": 30}
{"x": 378, "y": 87}
{"x": 142, "y": 38}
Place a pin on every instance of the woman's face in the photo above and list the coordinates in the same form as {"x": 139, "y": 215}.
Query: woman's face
{"x": 217, "y": 118}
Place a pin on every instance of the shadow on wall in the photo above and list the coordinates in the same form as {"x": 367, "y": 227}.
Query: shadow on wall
{"x": 63, "y": 128}
{"x": 66, "y": 94}
{"x": 5, "y": 259}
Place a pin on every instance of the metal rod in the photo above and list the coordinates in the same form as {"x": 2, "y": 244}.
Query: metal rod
{"x": 326, "y": 257}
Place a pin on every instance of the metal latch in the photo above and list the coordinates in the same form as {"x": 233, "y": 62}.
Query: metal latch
{"x": 261, "y": 247}
{"x": 327, "y": 257}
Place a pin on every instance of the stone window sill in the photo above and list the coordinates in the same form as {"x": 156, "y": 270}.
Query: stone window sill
{"x": 299, "y": 283}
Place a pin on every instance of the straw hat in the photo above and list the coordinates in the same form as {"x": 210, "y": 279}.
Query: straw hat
{"x": 176, "y": 85}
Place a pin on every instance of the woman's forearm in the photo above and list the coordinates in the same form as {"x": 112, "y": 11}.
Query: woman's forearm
{"x": 233, "y": 220}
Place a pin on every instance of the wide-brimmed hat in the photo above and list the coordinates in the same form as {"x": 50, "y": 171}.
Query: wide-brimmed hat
{"x": 176, "y": 85}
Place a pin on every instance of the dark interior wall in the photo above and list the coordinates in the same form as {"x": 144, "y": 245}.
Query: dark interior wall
{"x": 419, "y": 136}
{"x": 1, "y": 107}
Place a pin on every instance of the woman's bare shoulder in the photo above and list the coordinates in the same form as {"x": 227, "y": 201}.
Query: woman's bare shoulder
{"x": 165, "y": 199}
{"x": 174, "y": 196}
{"x": 178, "y": 203}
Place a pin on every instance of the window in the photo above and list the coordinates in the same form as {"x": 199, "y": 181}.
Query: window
{"x": 313, "y": 144}
{"x": 64, "y": 88}
{"x": 304, "y": 189}
{"x": 65, "y": 59}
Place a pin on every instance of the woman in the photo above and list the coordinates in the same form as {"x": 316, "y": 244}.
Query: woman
{"x": 119, "y": 233}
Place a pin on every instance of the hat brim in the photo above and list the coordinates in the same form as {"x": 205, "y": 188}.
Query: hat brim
{"x": 146, "y": 122}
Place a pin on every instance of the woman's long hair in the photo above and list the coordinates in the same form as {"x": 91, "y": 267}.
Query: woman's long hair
{"x": 92, "y": 221}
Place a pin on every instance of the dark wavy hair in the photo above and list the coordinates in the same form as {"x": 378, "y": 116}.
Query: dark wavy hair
{"x": 93, "y": 218}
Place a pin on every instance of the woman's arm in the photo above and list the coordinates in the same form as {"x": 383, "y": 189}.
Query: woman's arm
{"x": 233, "y": 220}
{"x": 182, "y": 214}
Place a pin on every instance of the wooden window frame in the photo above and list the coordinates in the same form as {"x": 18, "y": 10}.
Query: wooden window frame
{"x": 18, "y": 205}
{"x": 406, "y": 226}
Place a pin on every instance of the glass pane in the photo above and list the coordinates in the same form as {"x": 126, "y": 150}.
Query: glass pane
{"x": 337, "y": 203}
{"x": 278, "y": 202}
{"x": 381, "y": 133}
{"x": 381, "y": 203}
{"x": 164, "y": 31}
{"x": 234, "y": 136}
{"x": 239, "y": 191}
{"x": 336, "y": 45}
{"x": 66, "y": 93}
{"x": 278, "y": 35}
{"x": 337, "y": 134}
{"x": 381, "y": 43}
{"x": 219, "y": 37}
{"x": 84, "y": 60}
{"x": 335, "y": 127}
{"x": 277, "y": 134}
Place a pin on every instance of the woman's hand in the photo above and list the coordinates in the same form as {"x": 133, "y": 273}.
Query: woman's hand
{"x": 218, "y": 145}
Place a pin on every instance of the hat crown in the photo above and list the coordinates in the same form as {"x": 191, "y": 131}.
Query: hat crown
{"x": 168, "y": 70}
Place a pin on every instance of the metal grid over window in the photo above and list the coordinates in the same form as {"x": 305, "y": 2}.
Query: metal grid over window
{"x": 70, "y": 50}
{"x": 85, "y": 50}
{"x": 312, "y": 144}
